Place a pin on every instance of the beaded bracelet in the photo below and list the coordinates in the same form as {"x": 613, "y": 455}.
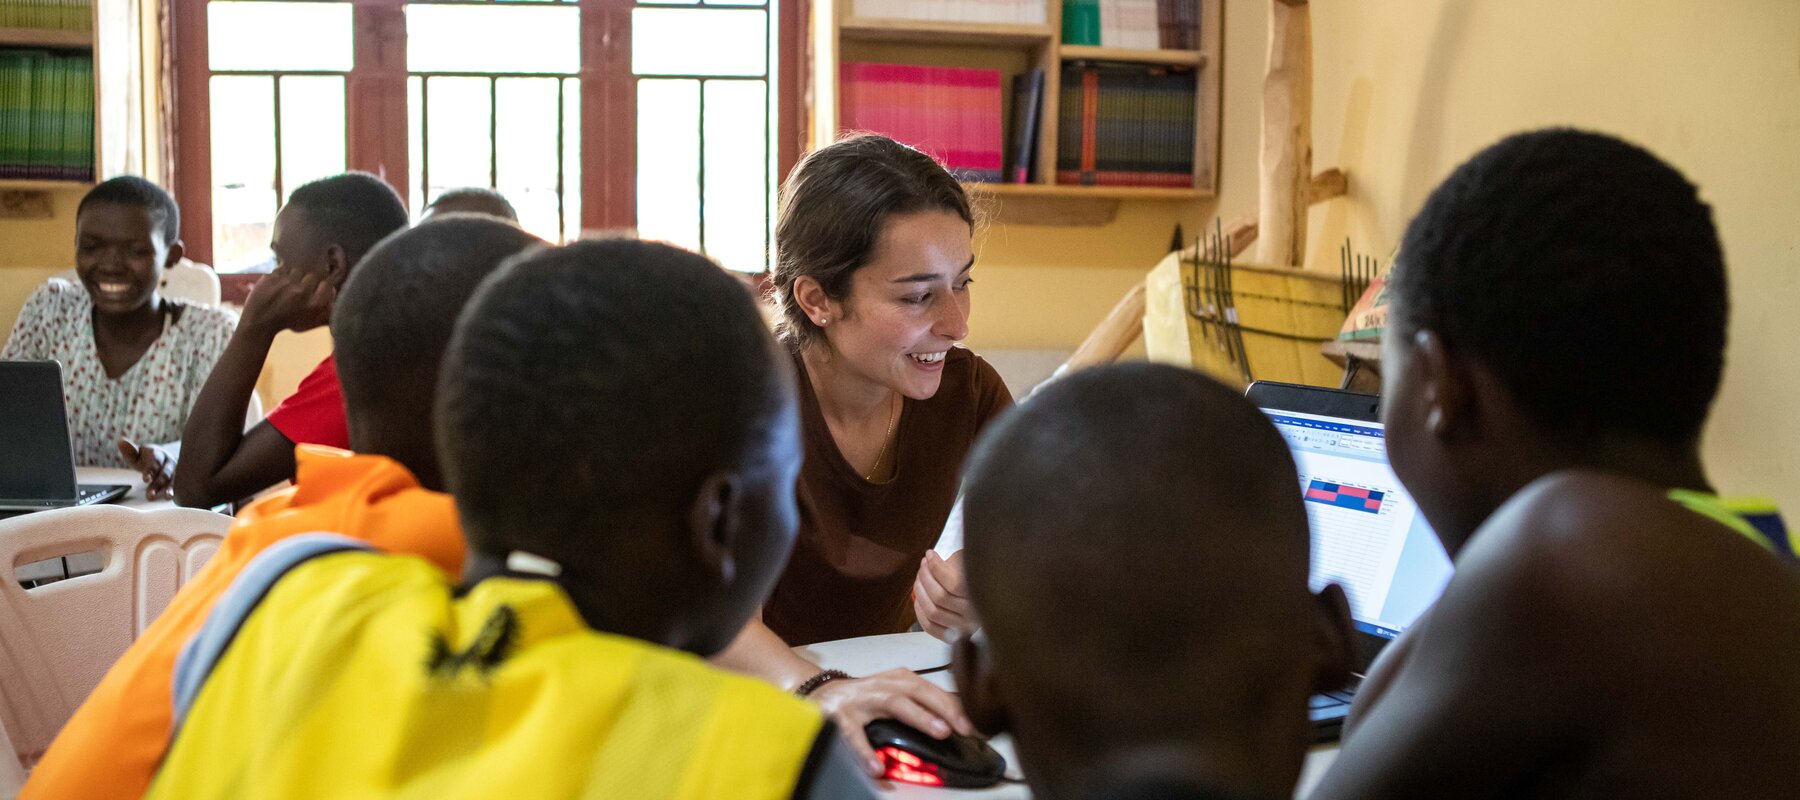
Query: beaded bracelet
{"x": 813, "y": 683}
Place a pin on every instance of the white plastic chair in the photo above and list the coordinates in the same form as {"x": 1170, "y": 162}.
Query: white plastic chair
{"x": 57, "y": 640}
{"x": 188, "y": 281}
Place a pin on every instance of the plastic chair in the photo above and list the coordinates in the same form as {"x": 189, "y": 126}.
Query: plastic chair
{"x": 188, "y": 281}
{"x": 57, "y": 640}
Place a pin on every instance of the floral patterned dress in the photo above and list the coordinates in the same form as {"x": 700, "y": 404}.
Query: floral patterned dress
{"x": 149, "y": 404}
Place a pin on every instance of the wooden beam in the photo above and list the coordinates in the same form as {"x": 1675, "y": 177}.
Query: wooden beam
{"x": 1286, "y": 180}
{"x": 1331, "y": 183}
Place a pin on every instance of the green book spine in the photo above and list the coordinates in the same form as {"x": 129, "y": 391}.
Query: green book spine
{"x": 65, "y": 117}
{"x": 84, "y": 143}
{"x": 33, "y": 120}
{"x": 9, "y": 139}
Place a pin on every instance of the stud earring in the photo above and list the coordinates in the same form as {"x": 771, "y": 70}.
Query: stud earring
{"x": 823, "y": 321}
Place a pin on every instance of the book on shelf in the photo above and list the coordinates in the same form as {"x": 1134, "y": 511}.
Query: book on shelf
{"x": 1028, "y": 95}
{"x": 1178, "y": 24}
{"x": 952, "y": 113}
{"x": 1019, "y": 12}
{"x": 52, "y": 15}
{"x": 1132, "y": 24}
{"x": 1129, "y": 24}
{"x": 1081, "y": 22}
{"x": 46, "y": 116}
{"x": 1126, "y": 125}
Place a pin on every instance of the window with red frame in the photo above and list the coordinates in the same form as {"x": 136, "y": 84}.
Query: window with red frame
{"x": 672, "y": 118}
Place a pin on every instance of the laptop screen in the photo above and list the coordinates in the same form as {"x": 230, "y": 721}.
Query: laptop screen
{"x": 36, "y": 462}
{"x": 1366, "y": 533}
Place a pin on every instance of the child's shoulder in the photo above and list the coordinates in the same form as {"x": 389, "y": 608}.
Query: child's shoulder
{"x": 60, "y": 293}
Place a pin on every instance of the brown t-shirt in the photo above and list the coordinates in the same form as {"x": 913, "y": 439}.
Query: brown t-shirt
{"x": 859, "y": 546}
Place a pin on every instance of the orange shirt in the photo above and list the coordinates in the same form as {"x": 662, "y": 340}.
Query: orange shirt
{"x": 112, "y": 746}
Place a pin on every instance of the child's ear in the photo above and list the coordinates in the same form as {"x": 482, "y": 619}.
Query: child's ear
{"x": 972, "y": 667}
{"x": 1333, "y": 639}
{"x": 176, "y": 250}
{"x": 713, "y": 524}
{"x": 337, "y": 265}
{"x": 1449, "y": 390}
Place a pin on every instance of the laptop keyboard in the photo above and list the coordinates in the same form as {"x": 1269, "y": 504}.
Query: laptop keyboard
{"x": 1327, "y": 711}
{"x": 88, "y": 495}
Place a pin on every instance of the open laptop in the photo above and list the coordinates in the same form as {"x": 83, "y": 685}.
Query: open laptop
{"x": 1367, "y": 535}
{"x": 37, "y": 458}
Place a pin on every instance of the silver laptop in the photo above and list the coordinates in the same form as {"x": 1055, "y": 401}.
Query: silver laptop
{"x": 1367, "y": 535}
{"x": 37, "y": 458}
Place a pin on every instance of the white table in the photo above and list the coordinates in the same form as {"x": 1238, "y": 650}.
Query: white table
{"x": 119, "y": 475}
{"x": 919, "y": 651}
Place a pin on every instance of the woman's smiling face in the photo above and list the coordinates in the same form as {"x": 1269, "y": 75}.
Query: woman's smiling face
{"x": 119, "y": 256}
{"x": 907, "y": 305}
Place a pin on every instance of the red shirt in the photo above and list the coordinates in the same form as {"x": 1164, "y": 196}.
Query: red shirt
{"x": 314, "y": 413}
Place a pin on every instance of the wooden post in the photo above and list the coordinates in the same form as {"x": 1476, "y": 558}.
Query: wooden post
{"x": 1286, "y": 135}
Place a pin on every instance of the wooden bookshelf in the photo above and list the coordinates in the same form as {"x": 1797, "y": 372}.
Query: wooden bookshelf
{"x": 1097, "y": 192}
{"x": 840, "y": 35}
{"x": 1081, "y": 52}
{"x": 36, "y": 37}
{"x": 24, "y": 184}
{"x": 65, "y": 41}
{"x": 931, "y": 32}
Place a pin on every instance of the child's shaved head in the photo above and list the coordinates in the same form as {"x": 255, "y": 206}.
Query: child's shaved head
{"x": 1138, "y": 554}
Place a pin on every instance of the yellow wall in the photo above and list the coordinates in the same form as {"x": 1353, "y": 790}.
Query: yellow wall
{"x": 34, "y": 249}
{"x": 1403, "y": 92}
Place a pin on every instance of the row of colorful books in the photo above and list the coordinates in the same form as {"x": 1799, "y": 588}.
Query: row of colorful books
{"x": 65, "y": 15}
{"x": 46, "y": 116}
{"x": 1126, "y": 125}
{"x": 1132, "y": 24}
{"x": 953, "y": 113}
{"x": 1026, "y": 12}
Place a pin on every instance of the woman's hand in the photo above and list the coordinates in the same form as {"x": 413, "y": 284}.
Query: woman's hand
{"x": 852, "y": 703}
{"x": 158, "y": 468}
{"x": 941, "y": 596}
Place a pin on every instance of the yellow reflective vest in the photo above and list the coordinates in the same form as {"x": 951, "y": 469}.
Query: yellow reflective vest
{"x": 329, "y": 671}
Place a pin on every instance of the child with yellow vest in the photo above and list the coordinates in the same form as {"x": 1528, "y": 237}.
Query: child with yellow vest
{"x": 387, "y": 494}
{"x": 620, "y": 435}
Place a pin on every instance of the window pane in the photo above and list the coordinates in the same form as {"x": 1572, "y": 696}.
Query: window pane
{"x": 458, "y": 151}
{"x": 415, "y": 145}
{"x": 526, "y": 140}
{"x": 675, "y": 41}
{"x": 278, "y": 36}
{"x": 493, "y": 38}
{"x": 571, "y": 158}
{"x": 737, "y": 164}
{"x": 243, "y": 170}
{"x": 668, "y": 161}
{"x": 312, "y": 128}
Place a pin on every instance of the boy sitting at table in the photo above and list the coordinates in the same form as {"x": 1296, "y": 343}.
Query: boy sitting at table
{"x": 388, "y": 493}
{"x": 1138, "y": 554}
{"x": 1614, "y": 628}
{"x": 621, "y": 438}
{"x": 320, "y": 237}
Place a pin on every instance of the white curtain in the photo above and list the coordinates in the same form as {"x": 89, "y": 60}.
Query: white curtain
{"x": 136, "y": 89}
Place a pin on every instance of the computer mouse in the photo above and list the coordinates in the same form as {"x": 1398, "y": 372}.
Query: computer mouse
{"x": 913, "y": 756}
